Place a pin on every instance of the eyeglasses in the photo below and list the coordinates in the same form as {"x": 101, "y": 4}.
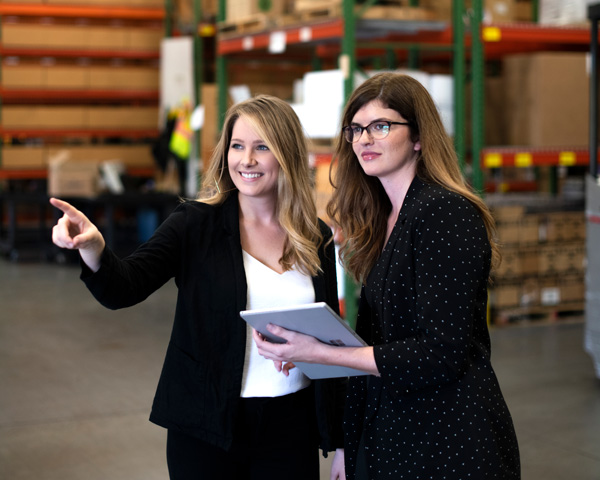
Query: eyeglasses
{"x": 377, "y": 130}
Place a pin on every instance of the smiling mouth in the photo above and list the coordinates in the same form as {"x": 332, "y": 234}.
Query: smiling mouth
{"x": 250, "y": 175}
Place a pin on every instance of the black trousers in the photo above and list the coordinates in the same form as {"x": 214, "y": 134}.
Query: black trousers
{"x": 274, "y": 438}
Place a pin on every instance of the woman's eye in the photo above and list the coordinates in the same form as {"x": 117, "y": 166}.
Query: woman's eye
{"x": 378, "y": 127}
{"x": 262, "y": 147}
{"x": 236, "y": 146}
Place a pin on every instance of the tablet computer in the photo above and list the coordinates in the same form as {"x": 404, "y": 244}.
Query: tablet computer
{"x": 315, "y": 319}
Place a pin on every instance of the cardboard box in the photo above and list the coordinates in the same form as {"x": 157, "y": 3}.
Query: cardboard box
{"x": 23, "y": 157}
{"x": 138, "y": 156}
{"x": 124, "y": 78}
{"x": 562, "y": 258}
{"x": 122, "y": 117}
{"x": 48, "y": 116}
{"x": 66, "y": 76}
{"x": 508, "y": 213}
{"x": 184, "y": 11}
{"x": 503, "y": 296}
{"x": 562, "y": 227}
{"x": 23, "y": 76}
{"x": 562, "y": 12}
{"x": 69, "y": 178}
{"x": 547, "y": 99}
{"x": 510, "y": 266}
{"x": 241, "y": 9}
{"x": 144, "y": 38}
{"x": 572, "y": 288}
{"x": 529, "y": 230}
{"x": 494, "y": 11}
{"x": 508, "y": 233}
{"x": 102, "y": 37}
{"x": 43, "y": 35}
{"x": 524, "y": 11}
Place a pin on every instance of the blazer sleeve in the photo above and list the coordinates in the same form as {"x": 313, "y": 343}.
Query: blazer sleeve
{"x": 121, "y": 283}
{"x": 450, "y": 255}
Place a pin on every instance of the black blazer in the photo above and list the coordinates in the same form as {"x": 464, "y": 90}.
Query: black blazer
{"x": 200, "y": 384}
{"x": 436, "y": 410}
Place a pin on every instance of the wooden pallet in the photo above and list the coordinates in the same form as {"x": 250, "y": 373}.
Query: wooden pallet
{"x": 254, "y": 23}
{"x": 386, "y": 12}
{"x": 318, "y": 12}
{"x": 541, "y": 314}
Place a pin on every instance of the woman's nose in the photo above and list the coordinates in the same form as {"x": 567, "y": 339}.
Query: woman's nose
{"x": 249, "y": 158}
{"x": 365, "y": 136}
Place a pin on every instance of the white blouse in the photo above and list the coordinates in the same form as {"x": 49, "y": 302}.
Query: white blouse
{"x": 268, "y": 289}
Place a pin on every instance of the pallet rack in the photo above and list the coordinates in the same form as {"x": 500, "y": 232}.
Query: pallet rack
{"x": 151, "y": 17}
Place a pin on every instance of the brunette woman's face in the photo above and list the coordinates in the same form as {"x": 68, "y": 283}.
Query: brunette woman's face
{"x": 252, "y": 166}
{"x": 388, "y": 157}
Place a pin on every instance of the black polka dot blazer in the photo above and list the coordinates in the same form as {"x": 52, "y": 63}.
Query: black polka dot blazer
{"x": 436, "y": 411}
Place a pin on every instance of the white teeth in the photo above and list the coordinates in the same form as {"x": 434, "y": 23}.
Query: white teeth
{"x": 250, "y": 175}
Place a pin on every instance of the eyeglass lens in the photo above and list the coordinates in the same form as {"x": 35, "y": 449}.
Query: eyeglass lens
{"x": 377, "y": 130}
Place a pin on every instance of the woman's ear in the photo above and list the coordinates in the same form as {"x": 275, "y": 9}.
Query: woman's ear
{"x": 417, "y": 146}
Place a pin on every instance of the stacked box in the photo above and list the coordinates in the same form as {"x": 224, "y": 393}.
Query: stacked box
{"x": 563, "y": 12}
{"x": 242, "y": 9}
{"x": 73, "y": 179}
{"x": 494, "y": 11}
{"x": 38, "y": 157}
{"x": 546, "y": 99}
{"x": 543, "y": 258}
{"x": 76, "y": 117}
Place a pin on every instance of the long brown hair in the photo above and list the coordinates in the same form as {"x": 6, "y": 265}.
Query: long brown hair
{"x": 276, "y": 123}
{"x": 359, "y": 204}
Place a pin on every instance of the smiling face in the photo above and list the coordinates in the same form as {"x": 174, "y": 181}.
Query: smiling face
{"x": 252, "y": 166}
{"x": 391, "y": 157}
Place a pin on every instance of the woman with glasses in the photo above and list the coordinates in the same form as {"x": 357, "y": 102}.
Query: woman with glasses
{"x": 421, "y": 242}
{"x": 252, "y": 240}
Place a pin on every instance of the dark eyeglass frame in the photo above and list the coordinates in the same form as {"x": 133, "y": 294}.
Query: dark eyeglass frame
{"x": 351, "y": 137}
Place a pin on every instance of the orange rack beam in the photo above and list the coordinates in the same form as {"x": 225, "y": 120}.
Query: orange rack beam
{"x": 81, "y": 132}
{"x": 533, "y": 157}
{"x": 237, "y": 43}
{"x": 77, "y": 11}
{"x": 35, "y": 94}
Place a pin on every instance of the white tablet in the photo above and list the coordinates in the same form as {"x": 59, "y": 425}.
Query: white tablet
{"x": 315, "y": 319}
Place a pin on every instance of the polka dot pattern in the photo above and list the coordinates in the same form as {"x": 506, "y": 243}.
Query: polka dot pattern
{"x": 436, "y": 411}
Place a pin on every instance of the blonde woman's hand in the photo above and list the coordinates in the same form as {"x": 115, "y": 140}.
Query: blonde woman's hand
{"x": 74, "y": 231}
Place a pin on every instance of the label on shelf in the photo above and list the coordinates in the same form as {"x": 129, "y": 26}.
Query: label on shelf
{"x": 491, "y": 34}
{"x": 567, "y": 158}
{"x": 492, "y": 160}
{"x": 523, "y": 159}
{"x": 305, "y": 34}
{"x": 277, "y": 42}
{"x": 248, "y": 43}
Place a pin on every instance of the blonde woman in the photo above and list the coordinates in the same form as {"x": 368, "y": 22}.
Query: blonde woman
{"x": 252, "y": 240}
{"x": 422, "y": 245}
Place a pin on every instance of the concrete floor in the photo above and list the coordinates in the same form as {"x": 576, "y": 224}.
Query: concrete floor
{"x": 77, "y": 382}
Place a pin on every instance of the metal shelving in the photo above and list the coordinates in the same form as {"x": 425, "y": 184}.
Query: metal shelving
{"x": 142, "y": 17}
{"x": 491, "y": 41}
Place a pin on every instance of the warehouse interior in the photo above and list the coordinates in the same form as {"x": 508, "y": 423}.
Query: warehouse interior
{"x": 117, "y": 106}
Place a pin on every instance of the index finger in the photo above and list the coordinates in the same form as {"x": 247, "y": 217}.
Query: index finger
{"x": 65, "y": 207}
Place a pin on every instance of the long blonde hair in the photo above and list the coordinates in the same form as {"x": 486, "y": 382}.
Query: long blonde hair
{"x": 276, "y": 123}
{"x": 359, "y": 204}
